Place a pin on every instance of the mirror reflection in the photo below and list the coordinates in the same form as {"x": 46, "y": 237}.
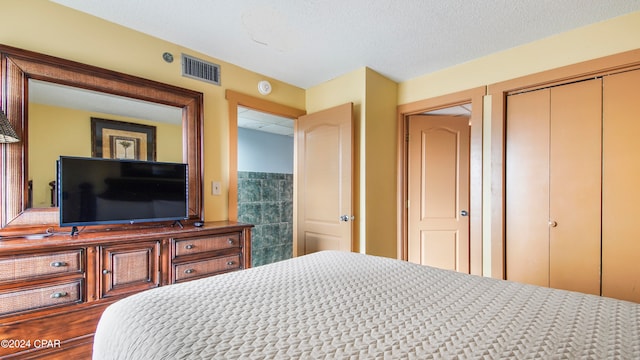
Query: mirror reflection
{"x": 60, "y": 124}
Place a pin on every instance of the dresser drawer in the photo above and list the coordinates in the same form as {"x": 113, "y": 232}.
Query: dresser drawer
{"x": 28, "y": 267}
{"x": 198, "y": 245}
{"x": 40, "y": 297}
{"x": 207, "y": 267}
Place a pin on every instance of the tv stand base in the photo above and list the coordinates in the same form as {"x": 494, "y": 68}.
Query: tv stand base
{"x": 177, "y": 222}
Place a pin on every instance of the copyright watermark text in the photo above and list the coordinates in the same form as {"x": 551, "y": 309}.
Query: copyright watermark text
{"x": 29, "y": 343}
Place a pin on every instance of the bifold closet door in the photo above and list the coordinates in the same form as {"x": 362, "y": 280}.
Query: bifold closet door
{"x": 553, "y": 185}
{"x": 527, "y": 187}
{"x": 621, "y": 187}
{"x": 576, "y": 183}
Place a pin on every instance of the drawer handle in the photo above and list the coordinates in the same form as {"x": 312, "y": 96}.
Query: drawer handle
{"x": 58, "y": 295}
{"x": 189, "y": 271}
{"x": 189, "y": 247}
{"x": 230, "y": 241}
{"x": 106, "y": 271}
{"x": 58, "y": 264}
{"x": 229, "y": 263}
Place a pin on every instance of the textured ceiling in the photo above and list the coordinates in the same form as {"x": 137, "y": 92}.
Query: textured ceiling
{"x": 74, "y": 98}
{"x": 259, "y": 121}
{"x": 307, "y": 42}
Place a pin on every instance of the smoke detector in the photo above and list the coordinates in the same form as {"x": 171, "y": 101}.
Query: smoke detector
{"x": 264, "y": 87}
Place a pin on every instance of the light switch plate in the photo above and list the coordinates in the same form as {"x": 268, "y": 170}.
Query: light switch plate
{"x": 215, "y": 188}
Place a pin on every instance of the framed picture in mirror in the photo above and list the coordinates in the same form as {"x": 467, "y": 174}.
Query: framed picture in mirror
{"x": 114, "y": 139}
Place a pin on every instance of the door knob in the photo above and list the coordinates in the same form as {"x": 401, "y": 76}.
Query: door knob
{"x": 346, "y": 218}
{"x": 553, "y": 223}
{"x": 464, "y": 213}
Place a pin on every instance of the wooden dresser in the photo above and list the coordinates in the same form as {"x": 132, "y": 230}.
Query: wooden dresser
{"x": 53, "y": 290}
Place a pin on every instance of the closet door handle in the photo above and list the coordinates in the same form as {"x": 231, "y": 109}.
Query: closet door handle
{"x": 553, "y": 223}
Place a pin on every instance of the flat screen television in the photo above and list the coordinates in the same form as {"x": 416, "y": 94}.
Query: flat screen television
{"x": 94, "y": 191}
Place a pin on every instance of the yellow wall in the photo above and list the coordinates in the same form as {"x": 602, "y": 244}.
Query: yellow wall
{"x": 74, "y": 35}
{"x": 380, "y": 165}
{"x": 55, "y": 131}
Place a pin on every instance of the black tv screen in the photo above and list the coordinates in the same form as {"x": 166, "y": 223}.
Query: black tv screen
{"x": 95, "y": 191}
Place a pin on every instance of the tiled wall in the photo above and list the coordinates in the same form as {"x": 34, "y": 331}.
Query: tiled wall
{"x": 266, "y": 200}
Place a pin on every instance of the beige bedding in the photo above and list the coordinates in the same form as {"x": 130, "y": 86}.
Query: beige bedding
{"x": 345, "y": 305}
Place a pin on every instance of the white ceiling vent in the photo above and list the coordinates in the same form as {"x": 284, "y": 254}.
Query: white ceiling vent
{"x": 200, "y": 69}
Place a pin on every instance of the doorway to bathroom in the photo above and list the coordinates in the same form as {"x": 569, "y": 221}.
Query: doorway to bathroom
{"x": 265, "y": 182}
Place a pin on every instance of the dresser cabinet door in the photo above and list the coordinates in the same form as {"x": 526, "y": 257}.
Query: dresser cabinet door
{"x": 129, "y": 268}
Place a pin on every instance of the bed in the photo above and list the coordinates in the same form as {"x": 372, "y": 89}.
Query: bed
{"x": 340, "y": 305}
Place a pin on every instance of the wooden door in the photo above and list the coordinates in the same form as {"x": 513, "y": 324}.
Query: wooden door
{"x": 621, "y": 187}
{"x": 527, "y": 187}
{"x": 575, "y": 186}
{"x": 439, "y": 191}
{"x": 324, "y": 180}
{"x": 553, "y": 185}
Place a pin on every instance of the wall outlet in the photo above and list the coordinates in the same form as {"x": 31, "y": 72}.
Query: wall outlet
{"x": 215, "y": 188}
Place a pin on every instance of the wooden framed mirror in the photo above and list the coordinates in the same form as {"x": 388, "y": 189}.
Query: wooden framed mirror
{"x": 19, "y": 66}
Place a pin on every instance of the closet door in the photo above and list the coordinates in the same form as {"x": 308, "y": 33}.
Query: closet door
{"x": 621, "y": 187}
{"x": 575, "y": 179}
{"x": 553, "y": 184}
{"x": 527, "y": 187}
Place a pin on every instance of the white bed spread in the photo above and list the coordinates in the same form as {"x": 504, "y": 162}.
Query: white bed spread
{"x": 340, "y": 305}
